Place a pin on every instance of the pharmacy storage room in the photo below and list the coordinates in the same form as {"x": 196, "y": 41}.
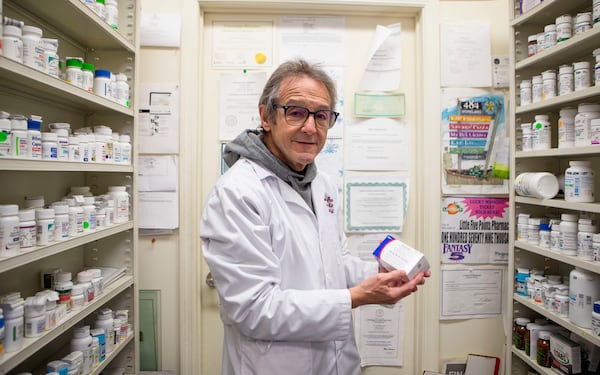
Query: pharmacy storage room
{"x": 375, "y": 187}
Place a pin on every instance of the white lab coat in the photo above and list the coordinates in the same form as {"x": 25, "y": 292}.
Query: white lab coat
{"x": 281, "y": 274}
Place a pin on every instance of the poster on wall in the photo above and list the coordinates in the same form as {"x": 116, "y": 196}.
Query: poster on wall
{"x": 474, "y": 230}
{"x": 475, "y": 142}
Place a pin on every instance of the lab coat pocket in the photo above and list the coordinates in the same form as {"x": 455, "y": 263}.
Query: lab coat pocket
{"x": 276, "y": 357}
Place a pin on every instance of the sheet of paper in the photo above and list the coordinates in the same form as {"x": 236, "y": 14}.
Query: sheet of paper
{"x": 243, "y": 44}
{"x": 157, "y": 173}
{"x": 331, "y": 160}
{"x": 375, "y": 202}
{"x": 239, "y": 95}
{"x": 337, "y": 74}
{"x": 465, "y": 54}
{"x": 379, "y": 144}
{"x": 500, "y": 72}
{"x": 474, "y": 230}
{"x": 379, "y": 335}
{"x": 315, "y": 38}
{"x": 158, "y": 192}
{"x": 160, "y": 30}
{"x": 471, "y": 292}
{"x": 158, "y": 118}
{"x": 379, "y": 105}
{"x": 385, "y": 60}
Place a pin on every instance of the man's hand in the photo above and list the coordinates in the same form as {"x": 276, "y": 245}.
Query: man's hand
{"x": 386, "y": 288}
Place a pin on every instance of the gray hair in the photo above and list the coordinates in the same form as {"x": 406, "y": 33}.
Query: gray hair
{"x": 294, "y": 68}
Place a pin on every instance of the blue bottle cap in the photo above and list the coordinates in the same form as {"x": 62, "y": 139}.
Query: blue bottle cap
{"x": 33, "y": 124}
{"x": 102, "y": 73}
{"x": 597, "y": 307}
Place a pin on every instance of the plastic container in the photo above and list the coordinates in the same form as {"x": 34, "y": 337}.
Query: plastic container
{"x": 585, "y": 113}
{"x": 541, "y": 133}
{"x": 561, "y": 301}
{"x": 5, "y": 138}
{"x": 125, "y": 144}
{"x": 568, "y": 234}
{"x": 75, "y": 220}
{"x": 49, "y": 146}
{"x": 584, "y": 289}
{"x": 596, "y": 318}
{"x": 51, "y": 57}
{"x": 73, "y": 149}
{"x": 550, "y": 36}
{"x": 19, "y": 141}
{"x": 82, "y": 341}
{"x": 581, "y": 75}
{"x": 2, "y": 333}
{"x": 555, "y": 235}
{"x": 77, "y": 297}
{"x": 44, "y": 218}
{"x": 543, "y": 349}
{"x": 548, "y": 84}
{"x": 33, "y": 49}
{"x": 519, "y": 328}
{"x": 527, "y": 137}
{"x": 100, "y": 335}
{"x": 566, "y": 127}
{"x": 12, "y": 44}
{"x": 102, "y": 85}
{"x": 111, "y": 10}
{"x": 27, "y": 229}
{"x": 10, "y": 241}
{"x": 536, "y": 89}
{"x": 35, "y": 316}
{"x": 62, "y": 143}
{"x": 565, "y": 79}
{"x": 74, "y": 73}
{"x": 97, "y": 281}
{"x": 579, "y": 182}
{"x": 521, "y": 283}
{"x": 104, "y": 320}
{"x": 13, "y": 307}
{"x": 89, "y": 214}
{"x": 596, "y": 11}
{"x": 84, "y": 278}
{"x": 544, "y": 236}
{"x": 532, "y": 45}
{"x": 34, "y": 137}
{"x": 87, "y": 77}
{"x": 596, "y": 54}
{"x": 564, "y": 27}
{"x": 583, "y": 22}
{"x": 522, "y": 226}
{"x": 121, "y": 198}
{"x": 121, "y": 94}
{"x": 61, "y": 221}
{"x": 63, "y": 285}
{"x": 586, "y": 229}
{"x": 542, "y": 185}
{"x": 100, "y": 8}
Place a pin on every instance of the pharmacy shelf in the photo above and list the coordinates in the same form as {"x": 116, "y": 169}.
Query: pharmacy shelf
{"x": 586, "y": 151}
{"x": 21, "y": 78}
{"x": 41, "y": 252}
{"x": 560, "y": 203}
{"x": 32, "y": 345}
{"x": 580, "y": 46}
{"x": 542, "y": 370}
{"x": 562, "y": 100}
{"x": 77, "y": 21}
{"x": 98, "y": 369}
{"x": 8, "y": 164}
{"x": 540, "y": 14}
{"x": 568, "y": 259}
{"x": 560, "y": 320}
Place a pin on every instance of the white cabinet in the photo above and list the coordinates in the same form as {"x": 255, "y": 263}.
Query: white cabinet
{"x": 528, "y": 255}
{"x": 24, "y": 90}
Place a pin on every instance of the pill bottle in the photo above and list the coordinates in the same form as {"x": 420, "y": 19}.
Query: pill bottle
{"x": 121, "y": 93}
{"x": 579, "y": 182}
{"x": 44, "y": 218}
{"x": 584, "y": 288}
{"x": 541, "y": 133}
{"x": 49, "y": 146}
{"x": 63, "y": 285}
{"x": 121, "y": 198}
{"x": 63, "y": 144}
{"x": 125, "y": 143}
{"x": 104, "y": 142}
{"x": 536, "y": 89}
{"x": 531, "y": 45}
{"x": 100, "y": 9}
{"x": 549, "y": 36}
{"x": 19, "y": 141}
{"x": 5, "y": 135}
{"x": 533, "y": 230}
{"x": 75, "y": 220}
{"x": 581, "y": 75}
{"x": 80, "y": 190}
{"x": 27, "y": 229}
{"x": 35, "y": 316}
{"x": 543, "y": 349}
{"x": 74, "y": 74}
{"x": 104, "y": 320}
{"x": 97, "y": 281}
{"x": 100, "y": 334}
{"x": 89, "y": 214}
{"x": 73, "y": 149}
{"x": 555, "y": 235}
{"x": 58, "y": 366}
{"x": 585, "y": 230}
{"x": 33, "y": 50}
{"x": 527, "y": 137}
{"x": 596, "y": 54}
{"x": 561, "y": 301}
{"x": 116, "y": 141}
{"x": 12, "y": 44}
{"x": 2, "y": 333}
{"x": 519, "y": 329}
{"x": 596, "y": 12}
{"x": 95, "y": 351}
{"x": 583, "y": 22}
{"x": 565, "y": 79}
{"x": 117, "y": 331}
{"x": 75, "y": 361}
{"x": 540, "y": 42}
{"x": 595, "y": 131}
{"x": 34, "y": 137}
{"x": 596, "y": 318}
{"x": 110, "y": 211}
{"x": 542, "y": 185}
{"x": 544, "y": 236}
{"x": 87, "y": 77}
{"x": 50, "y": 56}
{"x": 9, "y": 230}
{"x": 82, "y": 342}
{"x": 585, "y": 113}
{"x": 548, "y": 84}
{"x": 14, "y": 323}
{"x": 84, "y": 147}
{"x": 111, "y": 10}
{"x": 51, "y": 298}
{"x": 568, "y": 234}
{"x": 564, "y": 27}
{"x": 566, "y": 127}
{"x": 77, "y": 297}
{"x": 102, "y": 83}
{"x": 522, "y": 227}
{"x": 61, "y": 220}
{"x": 84, "y": 278}
{"x": 123, "y": 315}
{"x": 34, "y": 201}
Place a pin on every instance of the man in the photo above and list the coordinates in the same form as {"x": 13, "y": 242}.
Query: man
{"x": 273, "y": 241}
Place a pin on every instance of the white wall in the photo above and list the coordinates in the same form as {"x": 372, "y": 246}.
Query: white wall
{"x": 172, "y": 263}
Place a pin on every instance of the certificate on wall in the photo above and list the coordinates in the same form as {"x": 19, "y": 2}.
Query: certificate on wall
{"x": 244, "y": 44}
{"x": 379, "y": 335}
{"x": 375, "y": 202}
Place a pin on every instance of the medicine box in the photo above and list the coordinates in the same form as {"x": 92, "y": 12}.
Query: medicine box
{"x": 565, "y": 354}
{"x": 393, "y": 254}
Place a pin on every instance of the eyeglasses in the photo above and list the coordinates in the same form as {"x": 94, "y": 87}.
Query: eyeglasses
{"x": 296, "y": 116}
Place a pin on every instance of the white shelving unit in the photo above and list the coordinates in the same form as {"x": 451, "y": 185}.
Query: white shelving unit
{"x": 27, "y": 91}
{"x": 554, "y": 160}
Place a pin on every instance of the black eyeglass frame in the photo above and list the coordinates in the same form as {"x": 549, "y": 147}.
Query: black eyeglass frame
{"x": 334, "y": 115}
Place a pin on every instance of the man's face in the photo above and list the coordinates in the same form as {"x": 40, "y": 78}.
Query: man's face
{"x": 297, "y": 146}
